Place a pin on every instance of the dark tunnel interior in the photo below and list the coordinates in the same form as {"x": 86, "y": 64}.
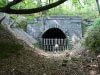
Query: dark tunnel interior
{"x": 54, "y": 33}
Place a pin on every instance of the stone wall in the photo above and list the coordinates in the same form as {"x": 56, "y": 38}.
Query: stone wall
{"x": 70, "y": 25}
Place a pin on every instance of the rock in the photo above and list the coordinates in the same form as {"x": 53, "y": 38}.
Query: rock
{"x": 92, "y": 72}
{"x": 77, "y": 50}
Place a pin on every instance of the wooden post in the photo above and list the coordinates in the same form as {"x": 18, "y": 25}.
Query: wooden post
{"x": 48, "y": 41}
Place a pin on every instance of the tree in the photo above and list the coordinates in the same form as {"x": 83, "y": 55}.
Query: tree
{"x": 7, "y": 8}
{"x": 92, "y": 37}
{"x": 97, "y": 2}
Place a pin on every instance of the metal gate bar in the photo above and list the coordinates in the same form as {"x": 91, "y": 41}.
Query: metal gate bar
{"x": 53, "y": 44}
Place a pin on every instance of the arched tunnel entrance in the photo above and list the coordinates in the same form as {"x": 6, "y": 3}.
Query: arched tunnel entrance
{"x": 54, "y": 39}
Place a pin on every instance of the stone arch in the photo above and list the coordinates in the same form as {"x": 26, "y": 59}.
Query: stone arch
{"x": 54, "y": 39}
{"x": 54, "y": 33}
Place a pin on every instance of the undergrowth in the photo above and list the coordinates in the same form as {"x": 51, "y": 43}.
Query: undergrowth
{"x": 92, "y": 39}
{"x": 8, "y": 44}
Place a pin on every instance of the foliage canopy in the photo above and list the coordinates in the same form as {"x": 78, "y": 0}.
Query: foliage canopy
{"x": 8, "y": 8}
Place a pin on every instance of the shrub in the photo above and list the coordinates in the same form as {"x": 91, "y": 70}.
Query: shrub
{"x": 23, "y": 25}
{"x": 92, "y": 39}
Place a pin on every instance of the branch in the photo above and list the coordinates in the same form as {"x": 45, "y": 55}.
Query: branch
{"x": 80, "y": 4}
{"x": 14, "y": 2}
{"x": 33, "y": 10}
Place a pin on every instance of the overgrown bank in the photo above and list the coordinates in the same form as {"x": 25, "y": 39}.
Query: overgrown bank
{"x": 92, "y": 37}
{"x": 8, "y": 44}
{"x": 24, "y": 61}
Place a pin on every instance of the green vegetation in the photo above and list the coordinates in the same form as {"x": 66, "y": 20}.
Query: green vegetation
{"x": 92, "y": 40}
{"x": 3, "y": 3}
{"x": 26, "y": 61}
{"x": 86, "y": 8}
{"x": 36, "y": 44}
{"x": 23, "y": 25}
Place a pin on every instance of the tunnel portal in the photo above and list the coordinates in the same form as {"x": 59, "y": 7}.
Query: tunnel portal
{"x": 54, "y": 39}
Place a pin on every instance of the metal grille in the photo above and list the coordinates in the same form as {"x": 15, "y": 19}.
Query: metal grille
{"x": 54, "y": 39}
{"x": 54, "y": 44}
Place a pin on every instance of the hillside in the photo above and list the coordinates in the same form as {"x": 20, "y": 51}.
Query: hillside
{"x": 17, "y": 58}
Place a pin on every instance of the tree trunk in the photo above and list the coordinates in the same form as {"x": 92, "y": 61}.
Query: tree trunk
{"x": 97, "y": 2}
